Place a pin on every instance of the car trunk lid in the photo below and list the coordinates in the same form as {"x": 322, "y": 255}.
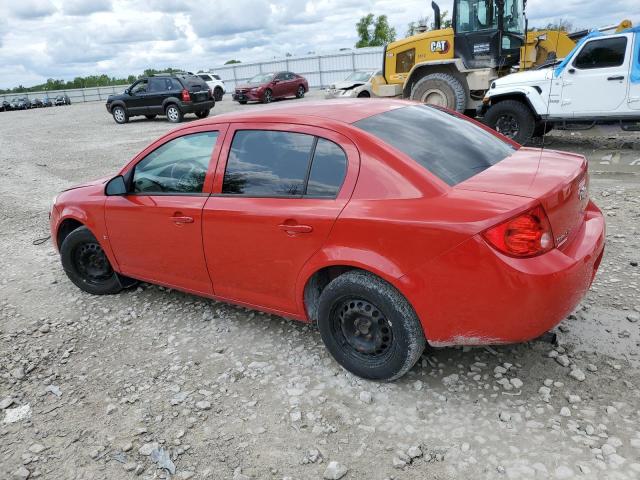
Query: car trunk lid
{"x": 559, "y": 180}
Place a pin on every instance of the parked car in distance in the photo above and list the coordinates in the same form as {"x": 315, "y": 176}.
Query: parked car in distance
{"x": 173, "y": 95}
{"x": 62, "y": 100}
{"x": 357, "y": 84}
{"x": 266, "y": 87}
{"x": 389, "y": 224}
{"x": 46, "y": 101}
{"x": 36, "y": 103}
{"x": 5, "y": 106}
{"x": 215, "y": 83}
{"x": 20, "y": 103}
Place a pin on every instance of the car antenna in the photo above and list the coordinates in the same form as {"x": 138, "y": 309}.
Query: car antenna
{"x": 546, "y": 117}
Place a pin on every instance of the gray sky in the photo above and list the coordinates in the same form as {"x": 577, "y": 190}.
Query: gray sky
{"x": 42, "y": 39}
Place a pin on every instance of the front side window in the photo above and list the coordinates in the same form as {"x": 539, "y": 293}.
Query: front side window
{"x": 140, "y": 87}
{"x": 405, "y": 61}
{"x": 602, "y": 53}
{"x": 451, "y": 148}
{"x": 179, "y": 166}
{"x": 265, "y": 163}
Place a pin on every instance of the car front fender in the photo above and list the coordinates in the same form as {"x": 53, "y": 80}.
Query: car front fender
{"x": 528, "y": 94}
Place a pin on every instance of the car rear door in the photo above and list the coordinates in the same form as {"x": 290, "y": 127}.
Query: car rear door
{"x": 155, "y": 231}
{"x": 278, "y": 192}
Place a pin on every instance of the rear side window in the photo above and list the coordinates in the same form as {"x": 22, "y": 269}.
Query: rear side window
{"x": 328, "y": 169}
{"x": 603, "y": 53}
{"x": 451, "y": 148}
{"x": 206, "y": 78}
{"x": 266, "y": 163}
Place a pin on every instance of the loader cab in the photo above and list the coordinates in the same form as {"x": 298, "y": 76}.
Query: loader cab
{"x": 488, "y": 33}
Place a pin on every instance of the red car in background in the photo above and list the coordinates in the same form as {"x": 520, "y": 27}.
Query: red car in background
{"x": 266, "y": 87}
{"x": 387, "y": 223}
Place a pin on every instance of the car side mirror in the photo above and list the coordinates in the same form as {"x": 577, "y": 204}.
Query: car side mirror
{"x": 275, "y": 80}
{"x": 127, "y": 91}
{"x": 116, "y": 186}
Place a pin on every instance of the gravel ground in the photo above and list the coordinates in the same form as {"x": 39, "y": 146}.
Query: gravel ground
{"x": 154, "y": 382}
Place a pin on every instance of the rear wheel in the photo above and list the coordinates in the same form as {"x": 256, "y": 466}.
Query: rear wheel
{"x": 542, "y": 128}
{"x": 364, "y": 94}
{"x": 301, "y": 91}
{"x": 369, "y": 327}
{"x": 512, "y": 119}
{"x": 151, "y": 117}
{"x": 174, "y": 114}
{"x": 86, "y": 264}
{"x": 217, "y": 94}
{"x": 440, "y": 89}
{"x": 119, "y": 114}
{"x": 202, "y": 114}
{"x": 268, "y": 96}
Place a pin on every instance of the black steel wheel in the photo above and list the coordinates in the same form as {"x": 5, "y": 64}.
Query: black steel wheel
{"x": 87, "y": 265}
{"x": 369, "y": 327}
{"x": 512, "y": 119}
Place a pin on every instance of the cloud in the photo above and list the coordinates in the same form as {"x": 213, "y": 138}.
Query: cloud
{"x": 85, "y": 7}
{"x": 31, "y": 9}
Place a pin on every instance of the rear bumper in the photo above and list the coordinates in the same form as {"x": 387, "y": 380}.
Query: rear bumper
{"x": 193, "y": 107}
{"x": 474, "y": 295}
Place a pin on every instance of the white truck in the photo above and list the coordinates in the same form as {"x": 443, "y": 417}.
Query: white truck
{"x": 598, "y": 82}
{"x": 217, "y": 86}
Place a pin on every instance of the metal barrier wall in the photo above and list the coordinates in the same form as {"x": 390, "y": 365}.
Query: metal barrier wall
{"x": 319, "y": 70}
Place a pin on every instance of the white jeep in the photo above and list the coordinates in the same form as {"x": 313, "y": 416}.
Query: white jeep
{"x": 598, "y": 82}
{"x": 215, "y": 83}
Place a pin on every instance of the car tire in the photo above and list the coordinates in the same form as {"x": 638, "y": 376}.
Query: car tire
{"x": 300, "y": 92}
{"x": 364, "y": 94}
{"x": 512, "y": 119}
{"x": 440, "y": 89}
{"x": 203, "y": 113}
{"x": 119, "y": 114}
{"x": 218, "y": 93}
{"x": 242, "y": 102}
{"x": 268, "y": 96}
{"x": 542, "y": 128}
{"x": 173, "y": 113}
{"x": 86, "y": 264}
{"x": 150, "y": 117}
{"x": 369, "y": 328}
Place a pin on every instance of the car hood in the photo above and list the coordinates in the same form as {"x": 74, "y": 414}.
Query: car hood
{"x": 110, "y": 98}
{"x": 530, "y": 77}
{"x": 90, "y": 183}
{"x": 346, "y": 85}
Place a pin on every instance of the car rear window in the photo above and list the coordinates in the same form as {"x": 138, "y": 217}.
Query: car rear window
{"x": 451, "y": 148}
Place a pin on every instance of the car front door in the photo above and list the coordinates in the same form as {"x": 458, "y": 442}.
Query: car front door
{"x": 279, "y": 86}
{"x": 155, "y": 231}
{"x": 595, "y": 82}
{"x": 136, "y": 103}
{"x": 280, "y": 191}
{"x": 156, "y": 93}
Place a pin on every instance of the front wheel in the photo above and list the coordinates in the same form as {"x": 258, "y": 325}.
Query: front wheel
{"x": 369, "y": 327}
{"x": 512, "y": 119}
{"x": 174, "y": 114}
{"x": 268, "y": 96}
{"x": 86, "y": 264}
{"x": 440, "y": 89}
{"x": 203, "y": 113}
{"x": 120, "y": 115}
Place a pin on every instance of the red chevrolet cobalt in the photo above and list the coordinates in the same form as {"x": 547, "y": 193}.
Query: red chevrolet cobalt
{"x": 387, "y": 223}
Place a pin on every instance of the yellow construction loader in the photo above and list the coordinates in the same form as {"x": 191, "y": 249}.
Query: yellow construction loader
{"x": 454, "y": 67}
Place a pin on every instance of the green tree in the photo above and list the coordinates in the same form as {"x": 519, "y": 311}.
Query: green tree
{"x": 562, "y": 24}
{"x": 231, "y": 62}
{"x": 445, "y": 21}
{"x": 374, "y": 32}
{"x": 415, "y": 27}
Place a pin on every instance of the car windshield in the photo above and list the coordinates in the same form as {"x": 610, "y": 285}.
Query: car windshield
{"x": 359, "y": 77}
{"x": 262, "y": 78}
{"x": 451, "y": 148}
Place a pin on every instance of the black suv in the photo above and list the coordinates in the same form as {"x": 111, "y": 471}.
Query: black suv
{"x": 170, "y": 95}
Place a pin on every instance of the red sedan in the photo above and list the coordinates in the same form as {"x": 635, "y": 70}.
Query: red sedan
{"x": 387, "y": 223}
{"x": 267, "y": 87}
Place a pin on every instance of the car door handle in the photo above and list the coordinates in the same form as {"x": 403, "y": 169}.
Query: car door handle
{"x": 295, "y": 228}
{"x": 180, "y": 219}
{"x": 621, "y": 77}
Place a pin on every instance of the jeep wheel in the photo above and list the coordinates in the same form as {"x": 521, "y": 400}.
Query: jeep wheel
{"x": 440, "y": 89}
{"x": 174, "y": 115}
{"x": 120, "y": 114}
{"x": 512, "y": 119}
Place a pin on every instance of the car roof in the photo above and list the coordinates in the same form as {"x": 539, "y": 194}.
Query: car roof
{"x": 340, "y": 110}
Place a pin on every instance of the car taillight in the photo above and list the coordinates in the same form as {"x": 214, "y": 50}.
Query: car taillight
{"x": 527, "y": 235}
{"x": 185, "y": 95}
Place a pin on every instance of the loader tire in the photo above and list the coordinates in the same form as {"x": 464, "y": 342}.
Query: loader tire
{"x": 440, "y": 89}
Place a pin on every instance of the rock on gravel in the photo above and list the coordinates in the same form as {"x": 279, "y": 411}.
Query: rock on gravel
{"x": 13, "y": 415}
{"x": 577, "y": 374}
{"x": 334, "y": 471}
